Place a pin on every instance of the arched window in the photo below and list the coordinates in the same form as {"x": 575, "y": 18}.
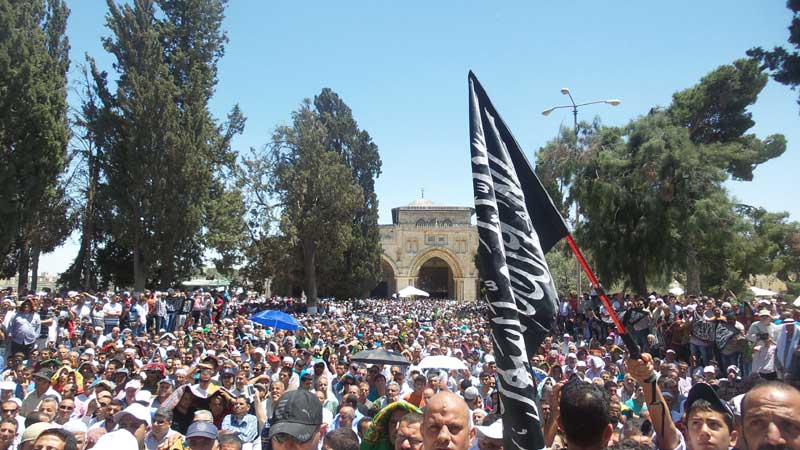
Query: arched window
{"x": 432, "y": 223}
{"x": 421, "y": 223}
{"x": 446, "y": 223}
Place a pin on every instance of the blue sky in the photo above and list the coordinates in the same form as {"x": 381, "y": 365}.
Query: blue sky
{"x": 402, "y": 68}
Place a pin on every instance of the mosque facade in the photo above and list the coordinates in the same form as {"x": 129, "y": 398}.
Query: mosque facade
{"x": 430, "y": 247}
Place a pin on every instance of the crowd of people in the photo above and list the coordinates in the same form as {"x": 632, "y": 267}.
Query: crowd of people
{"x": 190, "y": 370}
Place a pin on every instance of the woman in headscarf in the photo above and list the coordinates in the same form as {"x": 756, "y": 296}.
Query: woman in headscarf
{"x": 220, "y": 403}
{"x": 65, "y": 375}
{"x": 382, "y": 432}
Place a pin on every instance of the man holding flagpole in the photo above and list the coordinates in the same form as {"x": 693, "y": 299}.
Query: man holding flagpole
{"x": 517, "y": 224}
{"x": 522, "y": 297}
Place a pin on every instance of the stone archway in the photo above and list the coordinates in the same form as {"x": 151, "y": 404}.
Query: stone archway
{"x": 388, "y": 284}
{"x": 437, "y": 272}
{"x": 436, "y": 278}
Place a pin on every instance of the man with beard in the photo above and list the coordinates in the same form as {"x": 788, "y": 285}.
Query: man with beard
{"x": 770, "y": 417}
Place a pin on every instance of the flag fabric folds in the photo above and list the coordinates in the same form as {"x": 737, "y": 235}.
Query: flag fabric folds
{"x": 517, "y": 223}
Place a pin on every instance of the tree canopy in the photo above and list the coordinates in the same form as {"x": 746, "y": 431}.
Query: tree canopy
{"x": 315, "y": 213}
{"x": 34, "y": 131}
{"x": 784, "y": 64}
{"x": 165, "y": 165}
{"x": 652, "y": 191}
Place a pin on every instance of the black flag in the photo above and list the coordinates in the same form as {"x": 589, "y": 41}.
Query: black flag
{"x": 517, "y": 224}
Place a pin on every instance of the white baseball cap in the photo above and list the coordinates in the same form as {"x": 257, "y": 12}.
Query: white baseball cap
{"x": 144, "y": 396}
{"x": 136, "y": 410}
{"x": 493, "y": 431}
{"x": 116, "y": 440}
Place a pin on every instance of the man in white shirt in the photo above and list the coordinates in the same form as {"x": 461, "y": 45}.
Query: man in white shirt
{"x": 112, "y": 311}
{"x": 80, "y": 309}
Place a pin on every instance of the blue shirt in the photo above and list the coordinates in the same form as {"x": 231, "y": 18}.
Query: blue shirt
{"x": 246, "y": 429}
{"x": 25, "y": 328}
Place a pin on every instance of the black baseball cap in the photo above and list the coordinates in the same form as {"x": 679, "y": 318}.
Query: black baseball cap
{"x": 704, "y": 391}
{"x": 298, "y": 414}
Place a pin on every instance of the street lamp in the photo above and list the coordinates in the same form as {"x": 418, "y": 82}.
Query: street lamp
{"x": 575, "y": 106}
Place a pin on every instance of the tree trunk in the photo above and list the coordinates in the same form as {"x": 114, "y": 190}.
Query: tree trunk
{"x": 22, "y": 265}
{"x": 692, "y": 272}
{"x": 638, "y": 279}
{"x": 310, "y": 274}
{"x": 88, "y": 224}
{"x": 167, "y": 270}
{"x": 85, "y": 262}
{"x": 139, "y": 279}
{"x": 35, "y": 253}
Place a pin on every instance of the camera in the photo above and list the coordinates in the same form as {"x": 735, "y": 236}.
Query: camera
{"x": 763, "y": 336}
{"x": 250, "y": 392}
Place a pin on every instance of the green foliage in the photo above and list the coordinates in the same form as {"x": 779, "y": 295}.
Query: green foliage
{"x": 784, "y": 64}
{"x": 773, "y": 246}
{"x": 163, "y": 190}
{"x": 34, "y": 130}
{"x": 316, "y": 193}
{"x": 362, "y": 265}
{"x": 652, "y": 191}
{"x": 558, "y": 161}
{"x": 715, "y": 112}
{"x": 564, "y": 269}
{"x": 314, "y": 212}
{"x": 226, "y": 230}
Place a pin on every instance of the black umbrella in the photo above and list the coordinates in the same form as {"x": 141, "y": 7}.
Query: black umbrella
{"x": 380, "y": 356}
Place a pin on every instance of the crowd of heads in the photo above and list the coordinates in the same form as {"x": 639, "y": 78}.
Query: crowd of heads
{"x": 192, "y": 370}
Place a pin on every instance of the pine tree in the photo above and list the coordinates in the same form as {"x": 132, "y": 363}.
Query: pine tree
{"x": 34, "y": 130}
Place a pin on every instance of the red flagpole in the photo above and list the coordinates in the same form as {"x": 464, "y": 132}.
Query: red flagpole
{"x": 633, "y": 348}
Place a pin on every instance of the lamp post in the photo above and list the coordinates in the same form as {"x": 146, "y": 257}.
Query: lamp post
{"x": 575, "y": 106}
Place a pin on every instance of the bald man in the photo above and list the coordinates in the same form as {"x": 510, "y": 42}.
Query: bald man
{"x": 769, "y": 417}
{"x": 446, "y": 423}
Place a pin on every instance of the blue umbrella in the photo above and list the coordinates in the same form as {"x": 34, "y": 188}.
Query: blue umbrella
{"x": 275, "y": 319}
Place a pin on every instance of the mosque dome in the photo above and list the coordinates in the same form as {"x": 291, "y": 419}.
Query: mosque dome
{"x": 421, "y": 203}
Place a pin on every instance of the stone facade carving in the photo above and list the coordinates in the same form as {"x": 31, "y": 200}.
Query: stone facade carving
{"x": 431, "y": 247}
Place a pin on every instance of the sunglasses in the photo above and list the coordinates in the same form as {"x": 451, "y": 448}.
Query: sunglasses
{"x": 10, "y": 411}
